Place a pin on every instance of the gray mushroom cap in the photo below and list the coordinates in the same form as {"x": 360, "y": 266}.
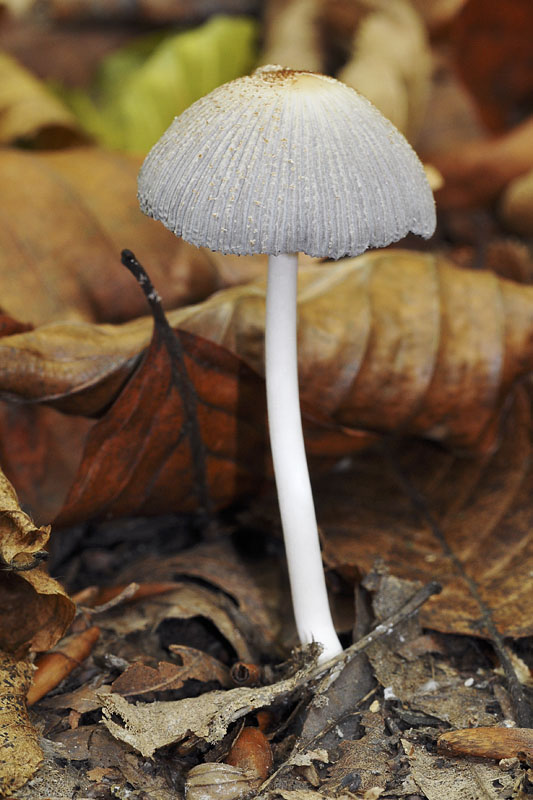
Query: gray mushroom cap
{"x": 283, "y": 161}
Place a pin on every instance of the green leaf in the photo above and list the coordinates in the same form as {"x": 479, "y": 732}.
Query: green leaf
{"x": 142, "y": 87}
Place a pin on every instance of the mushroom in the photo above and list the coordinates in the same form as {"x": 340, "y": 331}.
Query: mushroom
{"x": 281, "y": 162}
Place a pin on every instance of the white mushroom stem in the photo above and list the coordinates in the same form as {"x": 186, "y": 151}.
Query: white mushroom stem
{"x": 302, "y": 545}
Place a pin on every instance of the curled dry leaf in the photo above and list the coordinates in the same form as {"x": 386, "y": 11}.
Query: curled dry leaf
{"x": 21, "y": 542}
{"x": 413, "y": 345}
{"x": 35, "y": 607}
{"x": 20, "y": 753}
{"x": 392, "y": 341}
{"x": 43, "y": 611}
{"x": 465, "y": 522}
{"x": 219, "y": 566}
{"x": 188, "y": 607}
{"x": 30, "y": 112}
{"x": 390, "y": 63}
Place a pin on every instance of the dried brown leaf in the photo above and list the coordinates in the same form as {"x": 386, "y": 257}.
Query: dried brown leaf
{"x": 53, "y": 667}
{"x": 457, "y": 780}
{"x": 20, "y": 753}
{"x": 219, "y": 565}
{"x": 21, "y": 542}
{"x": 150, "y": 727}
{"x": 138, "y": 679}
{"x": 145, "y": 455}
{"x": 414, "y": 345}
{"x": 367, "y": 757}
{"x": 390, "y": 63}
{"x": 187, "y": 603}
{"x": 35, "y": 607}
{"x": 56, "y": 271}
{"x": 464, "y": 522}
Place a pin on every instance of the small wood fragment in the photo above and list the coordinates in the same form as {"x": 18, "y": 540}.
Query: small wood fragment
{"x": 251, "y": 752}
{"x": 492, "y": 742}
{"x": 54, "y": 666}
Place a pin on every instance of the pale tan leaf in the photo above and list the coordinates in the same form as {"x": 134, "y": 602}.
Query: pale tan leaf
{"x": 20, "y": 753}
{"x": 29, "y": 111}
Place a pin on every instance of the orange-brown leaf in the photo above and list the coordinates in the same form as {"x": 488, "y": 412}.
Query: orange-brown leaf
{"x": 140, "y": 679}
{"x": 30, "y": 112}
{"x": 391, "y": 341}
{"x": 141, "y": 458}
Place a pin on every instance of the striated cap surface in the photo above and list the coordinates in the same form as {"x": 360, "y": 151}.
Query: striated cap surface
{"x": 283, "y": 161}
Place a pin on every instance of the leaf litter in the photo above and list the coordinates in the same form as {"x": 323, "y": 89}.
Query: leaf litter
{"x": 370, "y": 727}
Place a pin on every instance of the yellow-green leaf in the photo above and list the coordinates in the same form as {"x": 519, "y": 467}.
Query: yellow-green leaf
{"x": 142, "y": 87}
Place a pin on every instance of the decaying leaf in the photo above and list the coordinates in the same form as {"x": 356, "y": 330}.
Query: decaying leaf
{"x": 194, "y": 609}
{"x": 21, "y": 542}
{"x": 414, "y": 345}
{"x": 30, "y": 112}
{"x": 455, "y": 780}
{"x": 53, "y": 666}
{"x": 150, "y": 727}
{"x": 72, "y": 270}
{"x": 367, "y": 760}
{"x": 20, "y": 753}
{"x": 43, "y": 611}
{"x": 440, "y": 508}
{"x": 392, "y": 341}
{"x": 139, "y": 679}
{"x": 40, "y": 450}
{"x": 37, "y": 608}
{"x": 220, "y": 566}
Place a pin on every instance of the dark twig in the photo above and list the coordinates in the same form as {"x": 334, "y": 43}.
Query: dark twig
{"x": 522, "y": 709}
{"x": 182, "y": 379}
